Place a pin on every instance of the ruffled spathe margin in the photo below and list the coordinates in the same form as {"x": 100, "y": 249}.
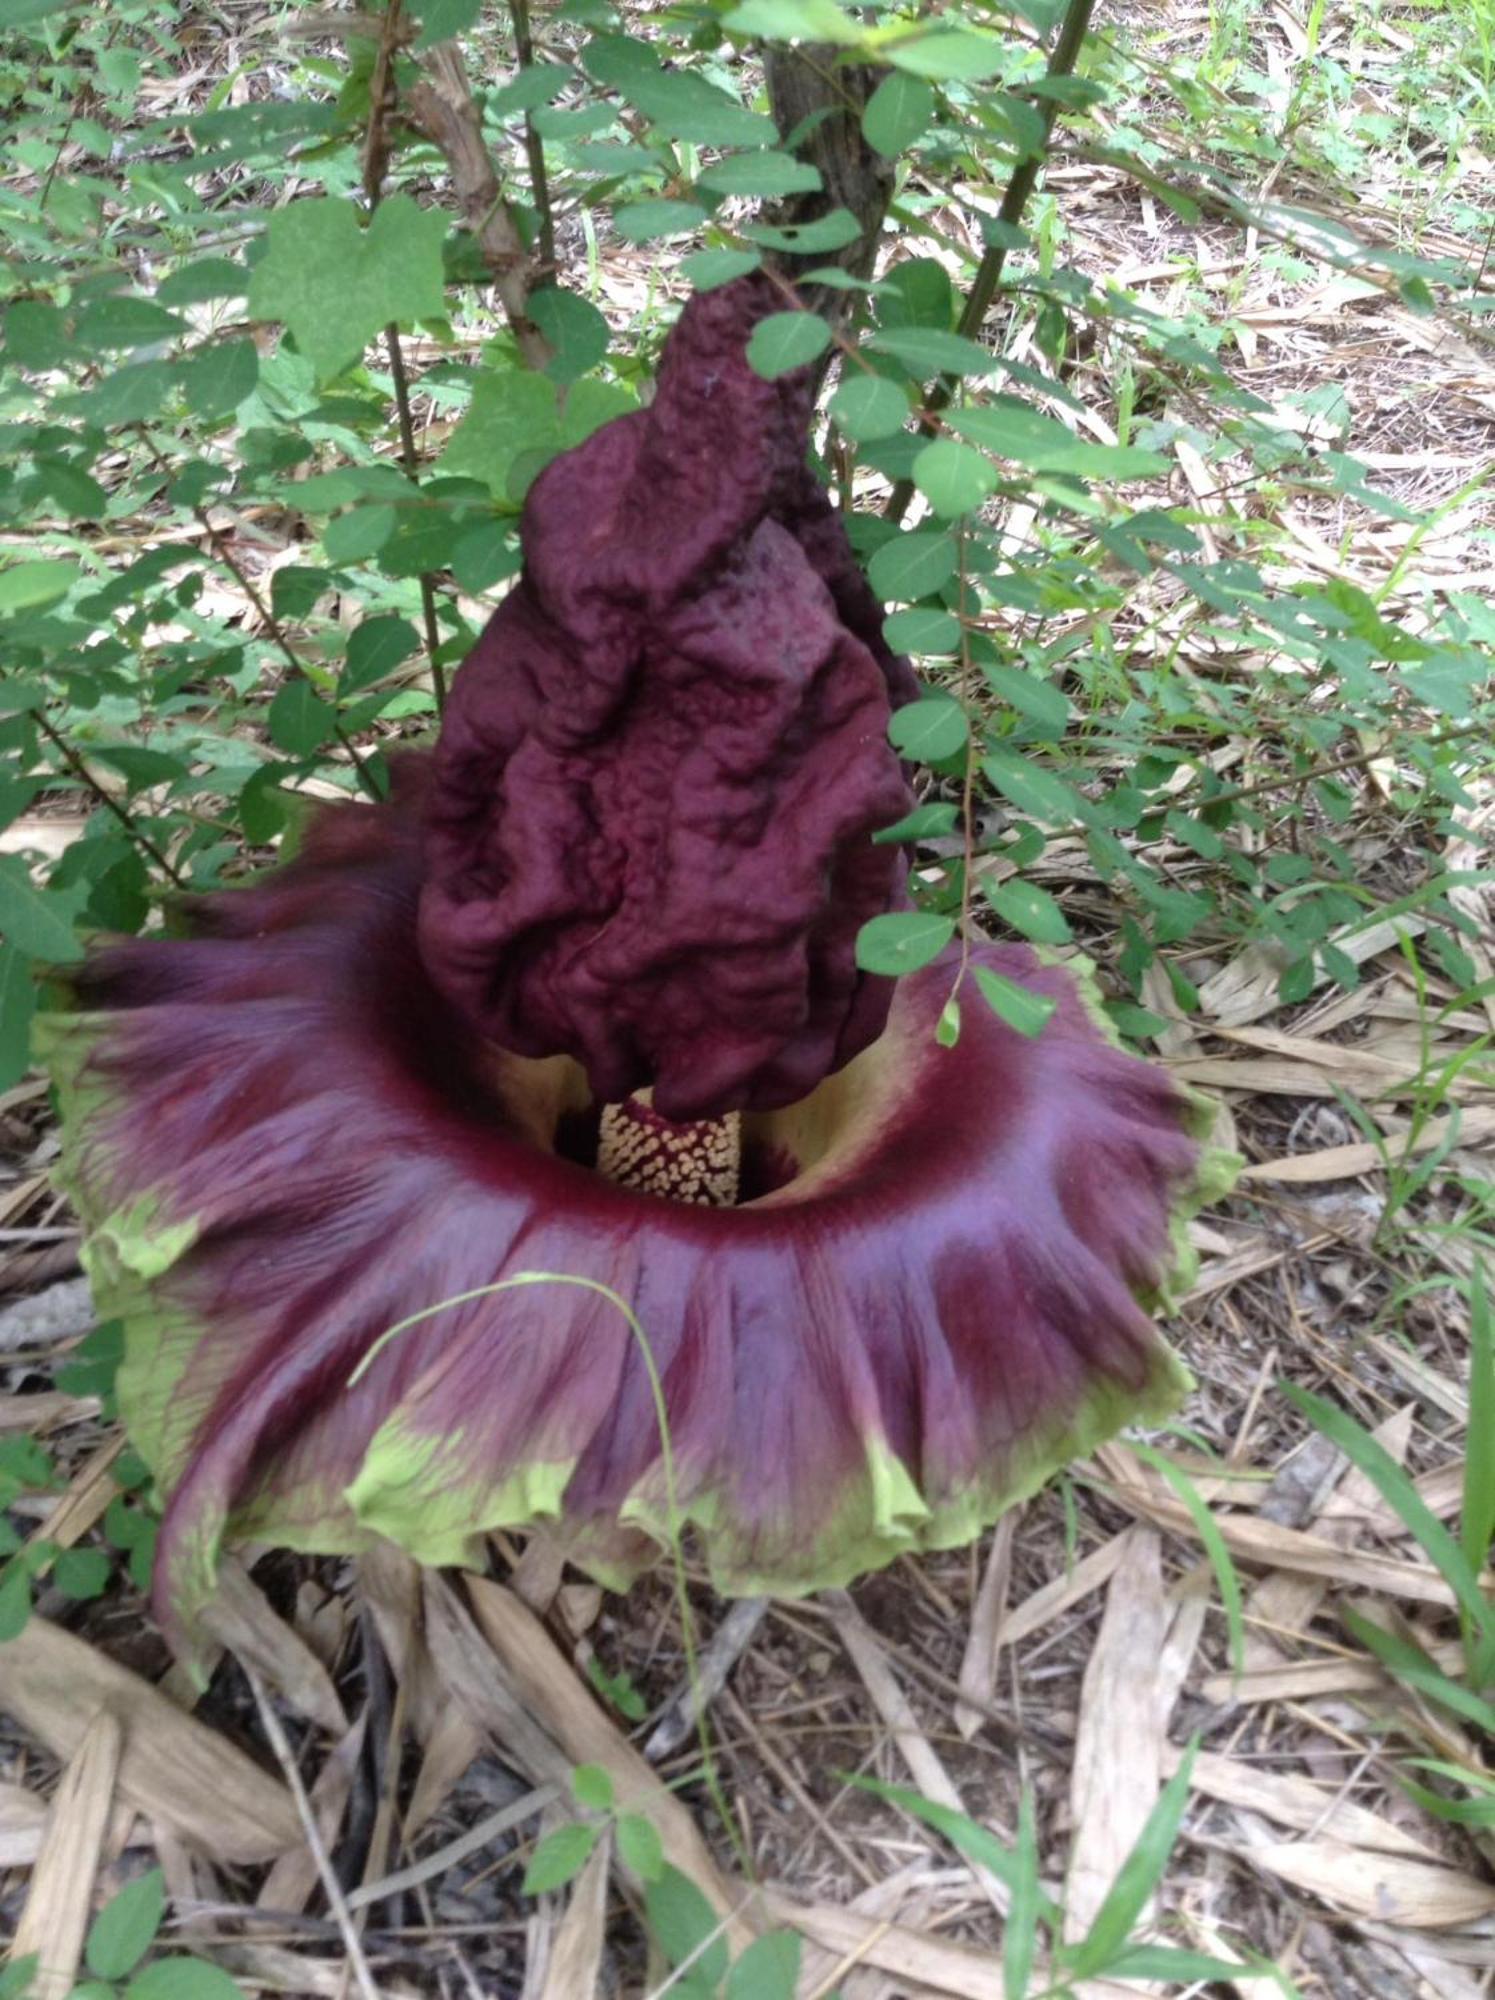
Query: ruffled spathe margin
{"x": 284, "y": 1144}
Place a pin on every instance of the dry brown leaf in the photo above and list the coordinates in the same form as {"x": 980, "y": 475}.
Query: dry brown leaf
{"x": 47, "y": 1410}
{"x": 292, "y": 1882}
{"x": 59, "y": 1902}
{"x": 451, "y": 1748}
{"x": 1061, "y": 1593}
{"x": 1390, "y": 1888}
{"x": 575, "y": 1964}
{"x": 87, "y": 1499}
{"x": 1309, "y": 1680}
{"x": 1118, "y": 1754}
{"x": 892, "y": 1704}
{"x": 1296, "y": 1802}
{"x": 978, "y": 1666}
{"x": 1254, "y": 1540}
{"x": 1246, "y": 989}
{"x": 22, "y": 1818}
{"x": 957, "y": 1969}
{"x": 1338, "y": 1163}
{"x": 241, "y": 1618}
{"x": 172, "y": 1768}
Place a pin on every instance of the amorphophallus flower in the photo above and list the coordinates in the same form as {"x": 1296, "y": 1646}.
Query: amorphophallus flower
{"x": 530, "y": 1149}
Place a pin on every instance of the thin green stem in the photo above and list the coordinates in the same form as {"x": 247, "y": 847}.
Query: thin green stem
{"x": 1071, "y": 38}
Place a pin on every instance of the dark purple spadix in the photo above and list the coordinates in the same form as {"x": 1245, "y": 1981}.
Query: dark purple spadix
{"x": 648, "y": 841}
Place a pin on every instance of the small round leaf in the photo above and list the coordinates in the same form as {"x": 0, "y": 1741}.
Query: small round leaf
{"x": 953, "y": 477}
{"x": 902, "y": 941}
{"x": 785, "y": 341}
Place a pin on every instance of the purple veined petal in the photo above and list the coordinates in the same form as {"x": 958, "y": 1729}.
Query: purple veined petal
{"x": 285, "y": 1143}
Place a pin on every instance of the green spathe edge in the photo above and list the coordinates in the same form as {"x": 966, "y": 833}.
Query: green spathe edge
{"x": 404, "y": 1490}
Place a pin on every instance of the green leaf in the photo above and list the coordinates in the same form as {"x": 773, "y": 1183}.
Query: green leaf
{"x": 513, "y": 411}
{"x": 927, "y": 822}
{"x": 27, "y": 585}
{"x": 21, "y": 13}
{"x": 124, "y": 322}
{"x": 929, "y": 730}
{"x": 376, "y": 648}
{"x": 123, "y": 1931}
{"x": 299, "y": 721}
{"x": 908, "y": 567}
{"x": 131, "y": 394}
{"x": 216, "y": 381}
{"x": 336, "y": 284}
{"x": 953, "y": 478}
{"x": 76, "y": 492}
{"x": 950, "y": 55}
{"x": 183, "y": 1979}
{"x": 930, "y": 350}
{"x": 560, "y": 1856}
{"x": 1137, "y": 1878}
{"x": 869, "y": 406}
{"x": 1020, "y": 1933}
{"x": 647, "y": 221}
{"x": 827, "y": 232}
{"x": 681, "y": 1919}
{"x": 707, "y": 269}
{"x": 1167, "y": 1962}
{"x": 1035, "y": 791}
{"x": 592, "y": 1786}
{"x": 640, "y": 1846}
{"x": 15, "y": 1601}
{"x": 685, "y": 106}
{"x": 898, "y": 112}
{"x": 81, "y": 1573}
{"x": 902, "y": 941}
{"x": 1044, "y": 704}
{"x": 1477, "y": 1525}
{"x": 793, "y": 21}
{"x": 207, "y": 278}
{"x": 1030, "y": 911}
{"x": 17, "y": 1007}
{"x": 16, "y": 1978}
{"x": 39, "y": 922}
{"x": 769, "y": 173}
{"x": 440, "y": 20}
{"x": 924, "y": 629}
{"x": 767, "y": 1970}
{"x": 575, "y": 329}
{"x": 917, "y": 293}
{"x": 1009, "y": 428}
{"x": 1023, "y": 1010}
{"x": 785, "y": 341}
{"x": 140, "y": 767}
{"x": 359, "y": 534}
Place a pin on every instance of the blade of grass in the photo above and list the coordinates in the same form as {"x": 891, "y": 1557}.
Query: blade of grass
{"x": 969, "y": 1839}
{"x": 1136, "y": 1880}
{"x": 1021, "y": 1935}
{"x": 1477, "y": 1526}
{"x": 1397, "y": 1490}
{"x": 1407, "y": 1662}
{"x": 1227, "y": 1578}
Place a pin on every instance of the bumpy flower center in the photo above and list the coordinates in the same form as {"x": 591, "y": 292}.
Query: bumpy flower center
{"x": 698, "y": 1162}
